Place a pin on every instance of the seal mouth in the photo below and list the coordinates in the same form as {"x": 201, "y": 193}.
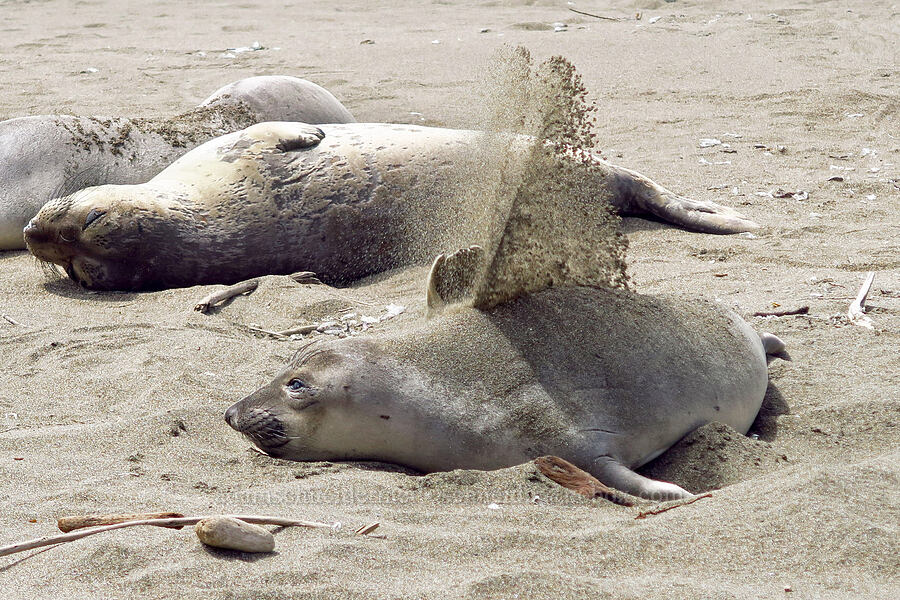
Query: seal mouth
{"x": 262, "y": 427}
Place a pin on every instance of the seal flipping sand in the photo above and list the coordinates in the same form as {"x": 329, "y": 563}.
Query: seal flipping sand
{"x": 48, "y": 156}
{"x": 605, "y": 378}
{"x": 344, "y": 201}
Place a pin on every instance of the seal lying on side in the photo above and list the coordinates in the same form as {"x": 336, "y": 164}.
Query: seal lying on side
{"x": 607, "y": 379}
{"x": 345, "y": 201}
{"x": 48, "y": 156}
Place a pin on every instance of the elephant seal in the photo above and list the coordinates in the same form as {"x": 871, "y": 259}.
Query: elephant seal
{"x": 44, "y": 157}
{"x": 345, "y": 201}
{"x": 605, "y": 378}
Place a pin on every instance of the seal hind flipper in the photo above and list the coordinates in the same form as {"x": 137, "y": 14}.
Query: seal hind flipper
{"x": 774, "y": 346}
{"x": 616, "y": 475}
{"x": 636, "y": 194}
{"x": 453, "y": 277}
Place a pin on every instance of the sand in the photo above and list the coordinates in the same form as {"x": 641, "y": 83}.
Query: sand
{"x": 114, "y": 402}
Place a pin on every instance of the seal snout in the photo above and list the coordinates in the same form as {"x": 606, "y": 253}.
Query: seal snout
{"x": 48, "y": 243}
{"x": 263, "y": 427}
{"x": 231, "y": 415}
{"x": 35, "y": 234}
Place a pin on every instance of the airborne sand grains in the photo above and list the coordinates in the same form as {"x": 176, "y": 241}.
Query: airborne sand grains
{"x": 541, "y": 220}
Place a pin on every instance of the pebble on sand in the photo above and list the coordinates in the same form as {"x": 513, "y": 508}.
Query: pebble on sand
{"x": 234, "y": 534}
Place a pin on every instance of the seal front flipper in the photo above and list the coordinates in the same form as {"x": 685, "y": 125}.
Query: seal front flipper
{"x": 283, "y": 135}
{"x": 453, "y": 278}
{"x": 616, "y": 475}
{"x": 635, "y": 194}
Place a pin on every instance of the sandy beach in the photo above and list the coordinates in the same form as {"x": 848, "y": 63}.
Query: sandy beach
{"x": 113, "y": 402}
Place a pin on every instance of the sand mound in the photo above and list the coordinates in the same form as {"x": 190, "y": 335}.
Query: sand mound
{"x": 714, "y": 456}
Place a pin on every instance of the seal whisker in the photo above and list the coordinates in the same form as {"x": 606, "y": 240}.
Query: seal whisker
{"x": 50, "y": 270}
{"x": 305, "y": 353}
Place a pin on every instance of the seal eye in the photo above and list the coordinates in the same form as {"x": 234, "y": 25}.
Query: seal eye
{"x": 296, "y": 384}
{"x": 91, "y": 217}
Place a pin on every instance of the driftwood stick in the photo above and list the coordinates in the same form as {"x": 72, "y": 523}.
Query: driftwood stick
{"x": 655, "y": 511}
{"x": 587, "y": 14}
{"x": 857, "y": 310}
{"x": 67, "y": 524}
{"x": 230, "y": 292}
{"x": 571, "y": 477}
{"x": 802, "y": 310}
{"x": 182, "y": 521}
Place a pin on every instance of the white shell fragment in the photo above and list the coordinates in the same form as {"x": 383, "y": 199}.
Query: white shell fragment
{"x": 709, "y": 142}
{"x": 234, "y": 534}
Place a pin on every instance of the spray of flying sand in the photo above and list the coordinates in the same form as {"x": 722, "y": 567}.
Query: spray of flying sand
{"x": 534, "y": 200}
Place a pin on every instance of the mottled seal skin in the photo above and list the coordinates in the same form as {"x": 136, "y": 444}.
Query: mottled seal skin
{"x": 607, "y": 379}
{"x": 44, "y": 157}
{"x": 278, "y": 197}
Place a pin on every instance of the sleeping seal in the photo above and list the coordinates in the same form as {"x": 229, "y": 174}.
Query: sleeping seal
{"x": 605, "y": 378}
{"x": 44, "y": 157}
{"x": 345, "y": 201}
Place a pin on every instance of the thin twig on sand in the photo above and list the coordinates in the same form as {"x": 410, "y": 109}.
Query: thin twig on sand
{"x": 571, "y": 477}
{"x": 237, "y": 289}
{"x": 587, "y": 14}
{"x": 802, "y": 310}
{"x": 11, "y": 320}
{"x": 655, "y": 511}
{"x": 301, "y": 330}
{"x": 182, "y": 521}
{"x": 857, "y": 311}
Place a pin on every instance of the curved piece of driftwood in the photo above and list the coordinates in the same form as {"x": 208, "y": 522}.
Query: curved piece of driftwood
{"x": 230, "y": 292}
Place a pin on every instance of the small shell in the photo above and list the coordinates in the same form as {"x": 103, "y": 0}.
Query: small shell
{"x": 234, "y": 534}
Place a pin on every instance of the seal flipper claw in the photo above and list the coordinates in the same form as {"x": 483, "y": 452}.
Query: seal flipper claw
{"x": 616, "y": 475}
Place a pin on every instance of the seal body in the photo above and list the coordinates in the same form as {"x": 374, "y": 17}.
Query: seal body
{"x": 44, "y": 157}
{"x": 606, "y": 379}
{"x": 360, "y": 199}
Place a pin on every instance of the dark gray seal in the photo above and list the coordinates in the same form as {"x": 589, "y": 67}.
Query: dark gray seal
{"x": 605, "y": 378}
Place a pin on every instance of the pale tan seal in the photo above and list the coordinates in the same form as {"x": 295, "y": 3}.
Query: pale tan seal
{"x": 605, "y": 378}
{"x": 47, "y": 156}
{"x": 344, "y": 201}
